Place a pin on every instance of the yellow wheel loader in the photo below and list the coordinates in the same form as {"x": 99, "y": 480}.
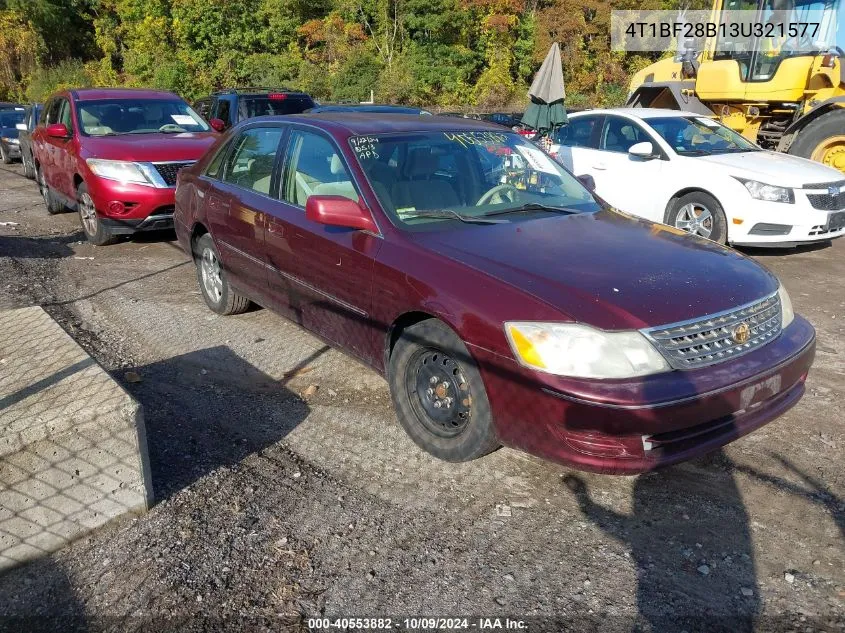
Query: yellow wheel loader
{"x": 786, "y": 100}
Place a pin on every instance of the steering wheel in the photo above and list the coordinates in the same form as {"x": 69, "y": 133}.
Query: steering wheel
{"x": 171, "y": 127}
{"x": 501, "y": 191}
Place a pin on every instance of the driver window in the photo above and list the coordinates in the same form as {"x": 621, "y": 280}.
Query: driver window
{"x": 65, "y": 115}
{"x": 314, "y": 168}
{"x": 618, "y": 135}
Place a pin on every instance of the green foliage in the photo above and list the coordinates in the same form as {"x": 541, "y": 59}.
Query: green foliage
{"x": 435, "y": 53}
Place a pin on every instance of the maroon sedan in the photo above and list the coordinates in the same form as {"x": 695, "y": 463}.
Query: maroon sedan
{"x": 113, "y": 154}
{"x": 503, "y": 303}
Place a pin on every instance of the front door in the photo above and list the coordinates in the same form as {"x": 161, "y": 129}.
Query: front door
{"x": 326, "y": 270}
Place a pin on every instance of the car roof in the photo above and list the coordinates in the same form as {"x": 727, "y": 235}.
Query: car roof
{"x": 638, "y": 113}
{"x": 96, "y": 94}
{"x": 365, "y": 107}
{"x": 358, "y": 123}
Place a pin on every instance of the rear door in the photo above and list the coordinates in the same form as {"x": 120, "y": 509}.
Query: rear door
{"x": 577, "y": 142}
{"x": 326, "y": 270}
{"x": 236, "y": 205}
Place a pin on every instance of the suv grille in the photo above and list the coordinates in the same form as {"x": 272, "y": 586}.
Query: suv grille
{"x": 168, "y": 171}
{"x": 716, "y": 338}
{"x": 825, "y": 201}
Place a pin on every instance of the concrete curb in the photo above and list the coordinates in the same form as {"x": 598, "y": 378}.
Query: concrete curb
{"x": 73, "y": 450}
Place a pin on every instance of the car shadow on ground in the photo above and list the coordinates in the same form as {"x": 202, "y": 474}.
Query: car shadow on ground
{"x": 209, "y": 409}
{"x": 48, "y": 247}
{"x": 761, "y": 251}
{"x": 689, "y": 535}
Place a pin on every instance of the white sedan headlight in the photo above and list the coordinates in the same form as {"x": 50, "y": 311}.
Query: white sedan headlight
{"x": 768, "y": 193}
{"x": 786, "y": 312}
{"x": 122, "y": 171}
{"x": 573, "y": 349}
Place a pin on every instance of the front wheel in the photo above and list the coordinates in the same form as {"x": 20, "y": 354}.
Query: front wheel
{"x": 700, "y": 214}
{"x": 94, "y": 230}
{"x": 439, "y": 395}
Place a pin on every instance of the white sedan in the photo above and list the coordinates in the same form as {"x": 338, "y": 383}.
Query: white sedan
{"x": 691, "y": 172}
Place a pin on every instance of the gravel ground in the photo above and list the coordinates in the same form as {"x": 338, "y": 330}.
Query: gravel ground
{"x": 286, "y": 490}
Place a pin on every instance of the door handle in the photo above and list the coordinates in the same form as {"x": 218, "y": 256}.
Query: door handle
{"x": 276, "y": 229}
{"x": 600, "y": 166}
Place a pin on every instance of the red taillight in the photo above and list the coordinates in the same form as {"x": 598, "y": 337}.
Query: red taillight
{"x": 277, "y": 96}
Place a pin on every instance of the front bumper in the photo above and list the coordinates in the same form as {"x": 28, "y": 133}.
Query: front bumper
{"x": 144, "y": 208}
{"x": 13, "y": 150}
{"x": 638, "y": 425}
{"x": 778, "y": 225}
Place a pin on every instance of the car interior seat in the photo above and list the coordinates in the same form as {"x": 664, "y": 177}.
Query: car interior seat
{"x": 418, "y": 189}
{"x": 92, "y": 125}
{"x": 341, "y": 186}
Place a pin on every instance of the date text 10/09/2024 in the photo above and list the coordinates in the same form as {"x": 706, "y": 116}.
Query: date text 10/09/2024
{"x": 416, "y": 624}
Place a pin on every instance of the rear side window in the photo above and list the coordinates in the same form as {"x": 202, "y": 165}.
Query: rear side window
{"x": 250, "y": 165}
{"x": 314, "y": 168}
{"x": 578, "y": 132}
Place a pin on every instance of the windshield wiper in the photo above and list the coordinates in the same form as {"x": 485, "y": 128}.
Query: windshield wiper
{"x": 533, "y": 206}
{"x": 447, "y": 214}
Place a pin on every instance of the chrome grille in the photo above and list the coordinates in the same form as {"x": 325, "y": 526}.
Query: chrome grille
{"x": 710, "y": 340}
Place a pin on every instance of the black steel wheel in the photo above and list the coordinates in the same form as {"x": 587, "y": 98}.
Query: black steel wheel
{"x": 438, "y": 393}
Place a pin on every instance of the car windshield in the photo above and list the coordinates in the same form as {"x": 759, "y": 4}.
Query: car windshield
{"x": 435, "y": 179}
{"x": 138, "y": 116}
{"x": 700, "y": 136}
{"x": 10, "y": 118}
{"x": 274, "y": 104}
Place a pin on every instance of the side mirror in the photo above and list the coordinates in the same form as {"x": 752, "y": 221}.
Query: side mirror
{"x": 21, "y": 126}
{"x": 641, "y": 150}
{"x": 588, "y": 181}
{"x": 339, "y": 211}
{"x": 58, "y": 130}
{"x": 217, "y": 124}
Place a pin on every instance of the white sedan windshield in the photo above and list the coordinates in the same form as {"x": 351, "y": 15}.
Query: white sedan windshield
{"x": 699, "y": 136}
{"x": 434, "y": 178}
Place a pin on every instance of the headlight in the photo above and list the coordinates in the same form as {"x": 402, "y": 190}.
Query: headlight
{"x": 121, "y": 171}
{"x": 786, "y": 313}
{"x": 769, "y": 193}
{"x": 572, "y": 349}
{"x": 11, "y": 141}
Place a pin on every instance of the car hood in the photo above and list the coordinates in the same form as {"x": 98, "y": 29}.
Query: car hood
{"x": 773, "y": 168}
{"x": 187, "y": 146}
{"x": 608, "y": 269}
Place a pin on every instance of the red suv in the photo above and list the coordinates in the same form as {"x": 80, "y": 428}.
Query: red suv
{"x": 113, "y": 155}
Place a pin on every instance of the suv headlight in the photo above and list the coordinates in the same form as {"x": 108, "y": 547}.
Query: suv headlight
{"x": 122, "y": 171}
{"x": 769, "y": 193}
{"x": 10, "y": 140}
{"x": 786, "y": 312}
{"x": 573, "y": 349}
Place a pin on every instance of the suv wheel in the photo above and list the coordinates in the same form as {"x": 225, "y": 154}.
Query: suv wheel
{"x": 219, "y": 296}
{"x": 53, "y": 205}
{"x": 96, "y": 233}
{"x": 4, "y": 155}
{"x": 28, "y": 167}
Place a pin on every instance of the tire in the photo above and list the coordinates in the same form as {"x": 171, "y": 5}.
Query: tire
{"x": 28, "y": 167}
{"x": 53, "y": 205}
{"x": 823, "y": 140}
{"x": 429, "y": 363}
{"x": 705, "y": 210}
{"x": 94, "y": 230}
{"x": 218, "y": 294}
{"x": 4, "y": 155}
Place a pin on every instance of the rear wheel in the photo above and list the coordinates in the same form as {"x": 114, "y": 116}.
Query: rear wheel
{"x": 28, "y": 166}
{"x": 53, "y": 205}
{"x": 823, "y": 140}
{"x": 94, "y": 230}
{"x": 700, "y": 214}
{"x": 438, "y": 394}
{"x": 219, "y": 296}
